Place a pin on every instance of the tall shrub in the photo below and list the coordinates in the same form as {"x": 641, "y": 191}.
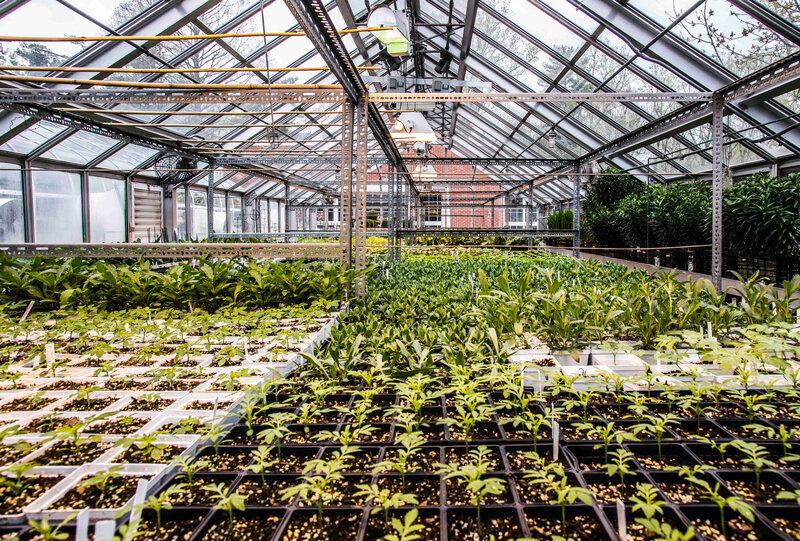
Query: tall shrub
{"x": 560, "y": 219}
{"x": 598, "y": 212}
{"x": 761, "y": 217}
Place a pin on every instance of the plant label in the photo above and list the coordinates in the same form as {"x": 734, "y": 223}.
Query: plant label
{"x": 30, "y": 306}
{"x": 556, "y": 437}
{"x": 710, "y": 334}
{"x": 138, "y": 500}
{"x": 246, "y": 351}
{"x": 104, "y": 530}
{"x": 82, "y": 525}
{"x": 50, "y": 354}
{"x": 798, "y": 316}
{"x": 216, "y": 404}
{"x": 622, "y": 525}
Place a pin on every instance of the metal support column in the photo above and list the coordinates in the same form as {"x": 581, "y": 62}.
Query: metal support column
{"x": 576, "y": 215}
{"x": 85, "y": 208}
{"x": 390, "y": 222}
{"x": 286, "y": 210}
{"x": 346, "y": 192}
{"x": 210, "y": 203}
{"x": 529, "y": 221}
{"x": 362, "y": 133}
{"x": 718, "y": 111}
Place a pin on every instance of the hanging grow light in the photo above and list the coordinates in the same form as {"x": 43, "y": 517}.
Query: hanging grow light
{"x": 395, "y": 37}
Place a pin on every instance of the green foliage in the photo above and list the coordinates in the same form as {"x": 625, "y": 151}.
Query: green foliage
{"x": 762, "y": 216}
{"x": 560, "y": 219}
{"x": 55, "y": 283}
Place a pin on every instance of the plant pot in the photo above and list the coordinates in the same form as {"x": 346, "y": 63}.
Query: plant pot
{"x": 338, "y": 525}
{"x": 583, "y": 523}
{"x": 706, "y": 521}
{"x": 743, "y": 484}
{"x": 502, "y": 523}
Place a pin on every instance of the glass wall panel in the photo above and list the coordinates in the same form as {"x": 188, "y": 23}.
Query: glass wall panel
{"x": 106, "y": 209}
{"x": 220, "y": 216}
{"x": 180, "y": 213}
{"x": 263, "y": 215}
{"x": 57, "y": 211}
{"x": 199, "y": 215}
{"x": 12, "y": 221}
{"x": 236, "y": 214}
{"x": 274, "y": 217}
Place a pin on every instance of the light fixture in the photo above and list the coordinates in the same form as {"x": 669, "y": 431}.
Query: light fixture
{"x": 551, "y": 138}
{"x": 443, "y": 66}
{"x": 395, "y": 37}
{"x": 412, "y": 127}
{"x": 425, "y": 171}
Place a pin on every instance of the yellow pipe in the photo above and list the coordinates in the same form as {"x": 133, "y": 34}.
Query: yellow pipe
{"x": 74, "y": 39}
{"x": 173, "y": 86}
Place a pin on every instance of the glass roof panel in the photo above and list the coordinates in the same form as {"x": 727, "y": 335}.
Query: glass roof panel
{"x": 81, "y": 147}
{"x": 33, "y": 137}
{"x": 127, "y": 158}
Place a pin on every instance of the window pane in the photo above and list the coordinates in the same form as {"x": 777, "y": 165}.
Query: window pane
{"x": 12, "y": 223}
{"x": 274, "y": 217}
{"x": 199, "y": 215}
{"x": 106, "y": 209}
{"x": 180, "y": 218}
{"x": 57, "y": 207}
{"x": 220, "y": 217}
{"x": 236, "y": 214}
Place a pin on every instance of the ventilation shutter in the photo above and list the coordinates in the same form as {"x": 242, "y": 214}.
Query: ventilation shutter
{"x": 146, "y": 212}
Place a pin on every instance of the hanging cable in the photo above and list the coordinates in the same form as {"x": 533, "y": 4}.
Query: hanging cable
{"x": 269, "y": 77}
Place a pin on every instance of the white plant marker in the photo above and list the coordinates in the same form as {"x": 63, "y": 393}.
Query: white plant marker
{"x": 701, "y": 333}
{"x": 622, "y": 524}
{"x": 710, "y": 329}
{"x": 138, "y": 500}
{"x": 735, "y": 301}
{"x": 216, "y": 405}
{"x": 50, "y": 354}
{"x": 556, "y": 436}
{"x": 104, "y": 530}
{"x": 798, "y": 315}
{"x": 82, "y": 525}
{"x": 30, "y": 306}
{"x": 246, "y": 351}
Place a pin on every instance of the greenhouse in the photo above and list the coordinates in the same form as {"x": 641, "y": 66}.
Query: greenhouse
{"x": 400, "y": 270}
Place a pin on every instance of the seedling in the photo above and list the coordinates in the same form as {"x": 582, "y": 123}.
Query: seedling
{"x": 320, "y": 476}
{"x": 161, "y": 502}
{"x": 386, "y": 499}
{"x": 471, "y": 476}
{"x": 736, "y": 503}
{"x": 277, "y": 429}
{"x": 13, "y": 477}
{"x": 406, "y": 529}
{"x": 46, "y": 532}
{"x": 101, "y": 479}
{"x": 755, "y": 457}
{"x": 411, "y": 443}
{"x": 620, "y": 465}
{"x": 263, "y": 461}
{"x": 555, "y": 482}
{"x": 225, "y": 501}
{"x": 189, "y": 467}
{"x": 656, "y": 427}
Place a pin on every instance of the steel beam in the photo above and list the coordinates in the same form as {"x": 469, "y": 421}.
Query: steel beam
{"x": 576, "y": 215}
{"x": 530, "y": 97}
{"x": 346, "y": 190}
{"x": 316, "y": 22}
{"x": 361, "y": 133}
{"x": 716, "y": 191}
{"x": 172, "y": 250}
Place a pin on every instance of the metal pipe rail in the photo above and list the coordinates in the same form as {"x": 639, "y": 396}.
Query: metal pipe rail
{"x": 173, "y": 250}
{"x": 291, "y": 234}
{"x": 488, "y": 232}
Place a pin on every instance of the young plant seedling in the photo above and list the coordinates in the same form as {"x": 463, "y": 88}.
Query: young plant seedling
{"x": 225, "y": 501}
{"x": 472, "y": 477}
{"x": 386, "y": 499}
